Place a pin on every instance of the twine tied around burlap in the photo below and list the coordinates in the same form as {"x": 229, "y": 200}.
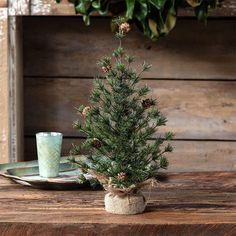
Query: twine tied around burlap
{"x": 123, "y": 192}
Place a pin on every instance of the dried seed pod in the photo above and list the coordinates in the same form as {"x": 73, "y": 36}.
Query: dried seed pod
{"x": 106, "y": 69}
{"x": 96, "y": 143}
{"x": 148, "y": 103}
{"x": 125, "y": 28}
{"x": 121, "y": 176}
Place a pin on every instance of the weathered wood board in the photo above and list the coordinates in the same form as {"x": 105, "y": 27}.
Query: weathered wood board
{"x": 195, "y": 109}
{"x": 4, "y": 88}
{"x": 19, "y": 7}
{"x": 186, "y": 204}
{"x": 187, "y": 156}
{"x": 11, "y": 127}
{"x": 50, "y": 7}
{"x": 3, "y": 3}
{"x": 66, "y": 47}
{"x": 16, "y": 88}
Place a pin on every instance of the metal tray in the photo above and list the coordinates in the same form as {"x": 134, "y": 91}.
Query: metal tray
{"x": 27, "y": 173}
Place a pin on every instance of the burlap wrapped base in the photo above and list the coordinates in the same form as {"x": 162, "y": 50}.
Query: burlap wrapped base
{"x": 125, "y": 205}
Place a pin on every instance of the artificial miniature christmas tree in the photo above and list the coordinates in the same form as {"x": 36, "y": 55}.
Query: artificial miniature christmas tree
{"x": 119, "y": 124}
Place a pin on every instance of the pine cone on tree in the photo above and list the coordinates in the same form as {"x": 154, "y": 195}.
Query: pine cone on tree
{"x": 125, "y": 28}
{"x": 96, "y": 143}
{"x": 121, "y": 176}
{"x": 106, "y": 69}
{"x": 148, "y": 103}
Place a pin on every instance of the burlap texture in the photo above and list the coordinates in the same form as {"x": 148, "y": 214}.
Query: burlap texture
{"x": 129, "y": 204}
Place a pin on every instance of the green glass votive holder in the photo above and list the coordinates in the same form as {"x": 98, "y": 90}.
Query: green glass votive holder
{"x": 49, "y": 153}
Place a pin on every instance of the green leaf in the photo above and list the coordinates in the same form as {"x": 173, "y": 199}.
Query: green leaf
{"x": 83, "y": 7}
{"x": 155, "y": 18}
{"x": 96, "y": 4}
{"x": 86, "y": 19}
{"x": 170, "y": 22}
{"x": 102, "y": 12}
{"x": 161, "y": 25}
{"x": 202, "y": 12}
{"x": 142, "y": 10}
{"x": 103, "y": 9}
{"x": 194, "y": 3}
{"x": 171, "y": 17}
{"x": 130, "y": 8}
{"x": 153, "y": 26}
{"x": 159, "y": 4}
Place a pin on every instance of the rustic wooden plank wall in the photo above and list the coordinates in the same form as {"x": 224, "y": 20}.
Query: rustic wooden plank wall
{"x": 193, "y": 77}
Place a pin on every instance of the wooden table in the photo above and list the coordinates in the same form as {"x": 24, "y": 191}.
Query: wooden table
{"x": 186, "y": 204}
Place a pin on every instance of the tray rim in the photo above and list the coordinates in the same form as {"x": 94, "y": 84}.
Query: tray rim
{"x": 32, "y": 164}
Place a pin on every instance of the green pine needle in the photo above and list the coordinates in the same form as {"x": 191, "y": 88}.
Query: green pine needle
{"x": 119, "y": 124}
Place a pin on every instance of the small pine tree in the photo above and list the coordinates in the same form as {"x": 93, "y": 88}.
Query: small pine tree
{"x": 119, "y": 124}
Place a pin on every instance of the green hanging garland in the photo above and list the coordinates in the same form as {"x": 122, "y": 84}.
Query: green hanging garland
{"x": 155, "y": 18}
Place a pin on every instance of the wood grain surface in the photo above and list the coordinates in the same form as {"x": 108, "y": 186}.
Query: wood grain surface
{"x": 69, "y": 48}
{"x": 16, "y": 89}
{"x": 49, "y": 7}
{"x": 195, "y": 109}
{"x": 187, "y": 156}
{"x": 4, "y": 88}
{"x": 18, "y": 7}
{"x": 186, "y": 204}
{"x": 3, "y": 3}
